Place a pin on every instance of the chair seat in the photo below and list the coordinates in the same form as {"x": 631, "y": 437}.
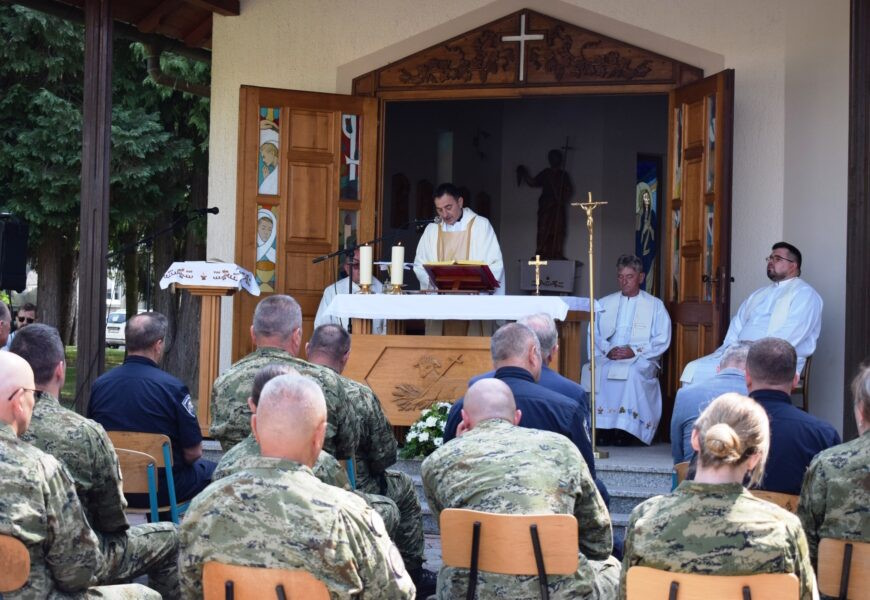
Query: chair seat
{"x": 645, "y": 583}
{"x": 221, "y": 581}
{"x": 14, "y": 564}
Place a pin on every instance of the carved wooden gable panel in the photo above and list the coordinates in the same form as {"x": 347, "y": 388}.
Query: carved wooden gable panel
{"x": 527, "y": 49}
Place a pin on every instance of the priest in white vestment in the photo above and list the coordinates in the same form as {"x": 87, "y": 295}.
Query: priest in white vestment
{"x": 379, "y": 326}
{"x": 788, "y": 308}
{"x": 461, "y": 234}
{"x": 632, "y": 331}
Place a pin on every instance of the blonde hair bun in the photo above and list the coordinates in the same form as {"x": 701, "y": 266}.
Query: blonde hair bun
{"x": 722, "y": 442}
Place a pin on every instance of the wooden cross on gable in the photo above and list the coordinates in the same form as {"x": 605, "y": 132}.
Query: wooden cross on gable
{"x": 522, "y": 38}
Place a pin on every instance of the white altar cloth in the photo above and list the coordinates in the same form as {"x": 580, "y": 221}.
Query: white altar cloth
{"x": 210, "y": 274}
{"x": 457, "y": 307}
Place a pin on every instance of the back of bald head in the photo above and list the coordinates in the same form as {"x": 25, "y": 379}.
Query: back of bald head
{"x": 489, "y": 399}
{"x": 290, "y": 416}
{"x": 15, "y": 373}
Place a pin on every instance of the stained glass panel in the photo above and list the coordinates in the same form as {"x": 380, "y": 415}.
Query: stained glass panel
{"x": 708, "y": 250}
{"x": 267, "y": 247}
{"x": 267, "y": 162}
{"x": 350, "y": 157}
{"x": 678, "y": 152}
{"x": 675, "y": 262}
{"x": 711, "y": 143}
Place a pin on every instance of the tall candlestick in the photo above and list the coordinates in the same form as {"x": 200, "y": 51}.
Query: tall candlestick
{"x": 397, "y": 265}
{"x": 365, "y": 265}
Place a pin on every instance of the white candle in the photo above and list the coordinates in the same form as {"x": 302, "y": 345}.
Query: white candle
{"x": 397, "y": 265}
{"x": 365, "y": 265}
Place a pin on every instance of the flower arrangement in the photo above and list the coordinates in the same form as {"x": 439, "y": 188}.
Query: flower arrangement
{"x": 427, "y": 432}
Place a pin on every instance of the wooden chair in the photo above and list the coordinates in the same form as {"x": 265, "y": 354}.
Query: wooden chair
{"x": 844, "y": 569}
{"x": 509, "y": 544}
{"x": 158, "y": 447}
{"x": 14, "y": 564}
{"x": 786, "y": 501}
{"x": 680, "y": 471}
{"x": 803, "y": 385}
{"x": 229, "y": 582}
{"x": 645, "y": 583}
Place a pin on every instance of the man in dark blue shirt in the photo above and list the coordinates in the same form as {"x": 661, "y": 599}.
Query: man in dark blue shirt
{"x": 516, "y": 355}
{"x": 795, "y": 436}
{"x": 545, "y": 328}
{"x": 139, "y": 396}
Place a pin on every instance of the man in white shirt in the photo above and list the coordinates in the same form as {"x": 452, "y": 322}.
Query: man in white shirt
{"x": 461, "y": 234}
{"x": 632, "y": 331}
{"x": 379, "y": 326}
{"x": 789, "y": 309}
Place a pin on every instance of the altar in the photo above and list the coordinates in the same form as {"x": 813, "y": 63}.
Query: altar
{"x": 411, "y": 372}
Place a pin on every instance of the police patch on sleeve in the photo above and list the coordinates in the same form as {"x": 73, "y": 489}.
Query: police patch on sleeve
{"x": 187, "y": 403}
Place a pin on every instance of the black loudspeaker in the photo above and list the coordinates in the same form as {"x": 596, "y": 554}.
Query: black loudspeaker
{"x": 13, "y": 254}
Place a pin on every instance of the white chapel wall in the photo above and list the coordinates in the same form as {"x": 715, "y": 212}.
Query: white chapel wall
{"x": 320, "y": 46}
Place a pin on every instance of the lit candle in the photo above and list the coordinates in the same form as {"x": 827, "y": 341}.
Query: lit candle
{"x": 397, "y": 265}
{"x": 365, "y": 265}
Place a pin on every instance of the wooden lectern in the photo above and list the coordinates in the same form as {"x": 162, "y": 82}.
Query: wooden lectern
{"x": 461, "y": 276}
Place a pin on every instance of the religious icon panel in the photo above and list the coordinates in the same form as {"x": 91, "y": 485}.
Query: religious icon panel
{"x": 350, "y": 157}
{"x": 267, "y": 247}
{"x": 268, "y": 158}
{"x": 646, "y": 219}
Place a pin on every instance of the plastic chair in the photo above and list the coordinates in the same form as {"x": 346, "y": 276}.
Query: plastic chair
{"x": 786, "y": 501}
{"x": 509, "y": 544}
{"x": 158, "y": 447}
{"x": 221, "y": 581}
{"x": 14, "y": 564}
{"x": 844, "y": 569}
{"x": 645, "y": 583}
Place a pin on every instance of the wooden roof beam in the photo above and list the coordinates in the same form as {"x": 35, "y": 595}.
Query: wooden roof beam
{"x": 151, "y": 21}
{"x": 227, "y": 8}
{"x": 199, "y": 34}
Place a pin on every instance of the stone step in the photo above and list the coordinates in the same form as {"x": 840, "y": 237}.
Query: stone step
{"x": 211, "y": 450}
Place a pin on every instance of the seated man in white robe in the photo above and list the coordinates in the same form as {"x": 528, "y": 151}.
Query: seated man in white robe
{"x": 461, "y": 234}
{"x": 632, "y": 331}
{"x": 347, "y": 286}
{"x": 789, "y": 309}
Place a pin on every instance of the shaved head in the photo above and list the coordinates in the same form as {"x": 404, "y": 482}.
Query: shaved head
{"x": 290, "y": 422}
{"x": 16, "y": 385}
{"x": 489, "y": 399}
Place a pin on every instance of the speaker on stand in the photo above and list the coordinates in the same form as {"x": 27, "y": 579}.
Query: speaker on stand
{"x": 13, "y": 253}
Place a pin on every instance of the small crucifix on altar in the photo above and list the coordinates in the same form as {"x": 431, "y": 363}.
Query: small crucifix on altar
{"x": 537, "y": 263}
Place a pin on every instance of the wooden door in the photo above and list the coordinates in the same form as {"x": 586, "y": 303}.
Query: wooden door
{"x": 306, "y": 185}
{"x": 697, "y": 274}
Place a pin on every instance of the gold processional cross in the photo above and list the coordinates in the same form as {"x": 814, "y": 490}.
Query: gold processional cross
{"x": 537, "y": 263}
{"x": 589, "y": 206}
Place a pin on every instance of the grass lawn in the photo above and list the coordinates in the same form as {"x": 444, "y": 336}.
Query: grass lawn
{"x": 114, "y": 357}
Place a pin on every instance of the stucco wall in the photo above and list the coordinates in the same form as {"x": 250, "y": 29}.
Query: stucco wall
{"x": 320, "y": 45}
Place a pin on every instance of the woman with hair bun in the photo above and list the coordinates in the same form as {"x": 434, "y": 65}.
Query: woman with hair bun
{"x": 713, "y": 525}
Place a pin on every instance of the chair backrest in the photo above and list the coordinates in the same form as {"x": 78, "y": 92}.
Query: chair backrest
{"x": 222, "y": 581}
{"x": 681, "y": 469}
{"x": 149, "y": 443}
{"x": 844, "y": 569}
{"x": 14, "y": 564}
{"x": 645, "y": 583}
{"x": 786, "y": 501}
{"x": 134, "y": 469}
{"x": 505, "y": 543}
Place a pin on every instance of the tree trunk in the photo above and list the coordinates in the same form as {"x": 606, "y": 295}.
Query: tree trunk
{"x": 131, "y": 273}
{"x": 56, "y": 264}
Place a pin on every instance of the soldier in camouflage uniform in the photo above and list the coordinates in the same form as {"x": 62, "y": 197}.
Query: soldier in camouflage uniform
{"x": 330, "y": 347}
{"x": 274, "y": 513}
{"x": 713, "y": 525}
{"x": 498, "y": 467}
{"x": 277, "y": 334}
{"x": 835, "y": 497}
{"x": 39, "y": 505}
{"x": 86, "y": 451}
{"x": 326, "y": 469}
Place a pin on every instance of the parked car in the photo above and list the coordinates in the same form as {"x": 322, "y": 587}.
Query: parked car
{"x": 116, "y": 324}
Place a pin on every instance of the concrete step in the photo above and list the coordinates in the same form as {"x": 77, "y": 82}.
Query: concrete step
{"x": 211, "y": 450}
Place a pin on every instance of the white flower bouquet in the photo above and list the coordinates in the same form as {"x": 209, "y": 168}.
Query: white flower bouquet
{"x": 427, "y": 432}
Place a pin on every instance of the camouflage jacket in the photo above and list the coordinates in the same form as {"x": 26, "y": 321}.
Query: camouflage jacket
{"x": 231, "y": 417}
{"x": 274, "y": 513}
{"x": 835, "y": 497}
{"x": 377, "y": 444}
{"x": 39, "y": 506}
{"x": 500, "y": 468}
{"x": 326, "y": 469}
{"x": 716, "y": 529}
{"x": 86, "y": 451}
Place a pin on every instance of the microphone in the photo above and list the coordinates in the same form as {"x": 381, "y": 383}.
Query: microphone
{"x": 213, "y": 210}
{"x": 420, "y": 222}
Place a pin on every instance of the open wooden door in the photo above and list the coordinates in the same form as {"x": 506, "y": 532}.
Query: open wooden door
{"x": 697, "y": 273}
{"x": 306, "y": 186}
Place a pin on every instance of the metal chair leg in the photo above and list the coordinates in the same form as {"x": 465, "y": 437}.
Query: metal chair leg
{"x": 475, "y": 554}
{"x": 844, "y": 574}
{"x": 229, "y": 591}
{"x": 747, "y": 593}
{"x": 539, "y": 561}
{"x": 672, "y": 592}
{"x": 279, "y": 591}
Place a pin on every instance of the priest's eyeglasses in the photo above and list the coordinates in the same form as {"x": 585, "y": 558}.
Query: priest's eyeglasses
{"x": 777, "y": 259}
{"x": 22, "y": 389}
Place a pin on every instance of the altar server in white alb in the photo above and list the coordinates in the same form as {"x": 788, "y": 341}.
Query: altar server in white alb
{"x": 379, "y": 326}
{"x": 789, "y": 309}
{"x": 632, "y": 331}
{"x": 462, "y": 234}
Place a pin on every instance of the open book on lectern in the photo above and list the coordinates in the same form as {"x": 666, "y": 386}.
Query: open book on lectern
{"x": 461, "y": 275}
